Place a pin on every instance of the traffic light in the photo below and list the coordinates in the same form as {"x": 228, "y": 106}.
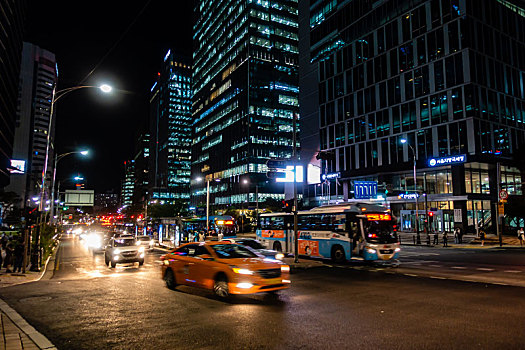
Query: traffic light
{"x": 430, "y": 213}
{"x": 288, "y": 205}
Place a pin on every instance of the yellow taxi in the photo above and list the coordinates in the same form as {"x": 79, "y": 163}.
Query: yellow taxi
{"x": 223, "y": 267}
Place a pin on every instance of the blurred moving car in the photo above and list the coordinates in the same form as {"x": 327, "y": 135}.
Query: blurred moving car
{"x": 96, "y": 241}
{"x": 146, "y": 241}
{"x": 124, "y": 250}
{"x": 225, "y": 268}
{"x": 258, "y": 247}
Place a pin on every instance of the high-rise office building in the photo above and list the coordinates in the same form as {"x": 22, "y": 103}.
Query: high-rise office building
{"x": 12, "y": 14}
{"x": 441, "y": 81}
{"x": 38, "y": 76}
{"x": 128, "y": 184}
{"x": 245, "y": 97}
{"x": 141, "y": 158}
{"x": 170, "y": 128}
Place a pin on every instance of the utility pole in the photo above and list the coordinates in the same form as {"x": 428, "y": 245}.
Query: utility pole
{"x": 294, "y": 157}
{"x": 498, "y": 179}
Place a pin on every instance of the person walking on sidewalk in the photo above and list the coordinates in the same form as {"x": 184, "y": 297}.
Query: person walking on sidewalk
{"x": 521, "y": 236}
{"x": 482, "y": 237}
{"x": 8, "y": 261}
{"x": 445, "y": 239}
{"x": 19, "y": 255}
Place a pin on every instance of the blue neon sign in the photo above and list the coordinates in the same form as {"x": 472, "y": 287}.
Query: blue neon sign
{"x": 462, "y": 158}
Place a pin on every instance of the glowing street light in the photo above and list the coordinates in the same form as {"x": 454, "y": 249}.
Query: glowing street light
{"x": 105, "y": 88}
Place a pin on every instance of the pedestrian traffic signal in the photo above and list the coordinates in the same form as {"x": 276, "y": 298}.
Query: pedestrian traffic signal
{"x": 288, "y": 205}
{"x": 431, "y": 213}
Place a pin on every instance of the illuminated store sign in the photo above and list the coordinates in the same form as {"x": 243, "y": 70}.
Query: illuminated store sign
{"x": 447, "y": 160}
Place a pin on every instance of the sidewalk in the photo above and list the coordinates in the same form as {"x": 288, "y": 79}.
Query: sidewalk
{"x": 17, "y": 334}
{"x": 469, "y": 241}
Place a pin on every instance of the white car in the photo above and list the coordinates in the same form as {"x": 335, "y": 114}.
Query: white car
{"x": 124, "y": 250}
{"x": 146, "y": 241}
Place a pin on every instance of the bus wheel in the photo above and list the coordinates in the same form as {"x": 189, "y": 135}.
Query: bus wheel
{"x": 277, "y": 246}
{"x": 338, "y": 254}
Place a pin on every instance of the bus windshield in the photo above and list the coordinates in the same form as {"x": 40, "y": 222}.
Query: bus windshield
{"x": 380, "y": 232}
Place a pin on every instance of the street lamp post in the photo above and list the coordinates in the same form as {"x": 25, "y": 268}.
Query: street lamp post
{"x": 57, "y": 159}
{"x": 418, "y": 237}
{"x": 55, "y": 96}
{"x": 199, "y": 179}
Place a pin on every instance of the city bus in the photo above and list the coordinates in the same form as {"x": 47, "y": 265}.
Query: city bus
{"x": 217, "y": 223}
{"x": 338, "y": 232}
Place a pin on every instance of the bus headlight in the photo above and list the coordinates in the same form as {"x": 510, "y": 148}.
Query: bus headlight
{"x": 242, "y": 271}
{"x": 371, "y": 251}
{"x": 279, "y": 256}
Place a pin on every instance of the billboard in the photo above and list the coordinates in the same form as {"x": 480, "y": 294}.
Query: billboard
{"x": 79, "y": 198}
{"x": 17, "y": 166}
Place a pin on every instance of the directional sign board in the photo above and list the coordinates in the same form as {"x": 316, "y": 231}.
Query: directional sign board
{"x": 276, "y": 164}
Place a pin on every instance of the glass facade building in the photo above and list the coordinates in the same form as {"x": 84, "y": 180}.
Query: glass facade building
{"x": 170, "y": 127}
{"x": 447, "y": 76}
{"x": 245, "y": 97}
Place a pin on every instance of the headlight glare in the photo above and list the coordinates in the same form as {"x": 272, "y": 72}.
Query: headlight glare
{"x": 242, "y": 271}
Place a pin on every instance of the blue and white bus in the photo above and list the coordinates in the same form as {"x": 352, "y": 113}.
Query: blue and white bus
{"x": 338, "y": 232}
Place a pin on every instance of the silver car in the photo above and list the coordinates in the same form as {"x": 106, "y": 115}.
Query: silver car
{"x": 146, "y": 241}
{"x": 124, "y": 250}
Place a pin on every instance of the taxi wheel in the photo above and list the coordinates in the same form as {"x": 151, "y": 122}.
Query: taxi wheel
{"x": 113, "y": 264}
{"x": 106, "y": 260}
{"x": 220, "y": 288}
{"x": 338, "y": 254}
{"x": 169, "y": 278}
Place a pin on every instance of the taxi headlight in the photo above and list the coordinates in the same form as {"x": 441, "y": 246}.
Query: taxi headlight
{"x": 244, "y": 285}
{"x": 397, "y": 250}
{"x": 141, "y": 250}
{"x": 242, "y": 271}
{"x": 279, "y": 256}
{"x": 371, "y": 251}
{"x": 285, "y": 268}
{"x": 116, "y": 251}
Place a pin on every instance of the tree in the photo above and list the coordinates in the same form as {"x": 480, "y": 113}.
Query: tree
{"x": 178, "y": 208}
{"x": 8, "y": 202}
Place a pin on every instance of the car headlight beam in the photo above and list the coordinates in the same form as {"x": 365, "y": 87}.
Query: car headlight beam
{"x": 116, "y": 251}
{"x": 242, "y": 271}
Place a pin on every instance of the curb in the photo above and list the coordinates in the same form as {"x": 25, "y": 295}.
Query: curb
{"x": 38, "y": 338}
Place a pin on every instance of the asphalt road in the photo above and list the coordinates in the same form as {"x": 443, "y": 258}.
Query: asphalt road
{"x": 89, "y": 306}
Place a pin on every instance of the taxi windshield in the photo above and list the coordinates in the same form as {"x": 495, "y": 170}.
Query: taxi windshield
{"x": 380, "y": 232}
{"x": 232, "y": 251}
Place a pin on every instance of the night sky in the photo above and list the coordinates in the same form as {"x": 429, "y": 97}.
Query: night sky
{"x": 81, "y": 34}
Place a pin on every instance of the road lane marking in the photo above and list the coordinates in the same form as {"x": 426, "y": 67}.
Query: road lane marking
{"x": 435, "y": 265}
{"x": 484, "y": 269}
{"x": 513, "y": 271}
{"x": 458, "y": 267}
{"x": 438, "y": 277}
{"x": 410, "y": 274}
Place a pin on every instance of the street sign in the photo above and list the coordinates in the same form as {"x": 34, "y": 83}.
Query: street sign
{"x": 276, "y": 164}
{"x": 365, "y": 189}
{"x": 503, "y": 195}
{"x": 501, "y": 209}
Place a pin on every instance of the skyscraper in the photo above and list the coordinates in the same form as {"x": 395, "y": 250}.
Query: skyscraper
{"x": 38, "y": 76}
{"x": 12, "y": 14}
{"x": 170, "y": 127}
{"x": 435, "y": 85}
{"x": 128, "y": 184}
{"x": 245, "y": 97}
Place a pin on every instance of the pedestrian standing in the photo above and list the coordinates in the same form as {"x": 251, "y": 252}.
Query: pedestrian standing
{"x": 19, "y": 255}
{"x": 436, "y": 238}
{"x": 460, "y": 235}
{"x": 482, "y": 237}
{"x": 456, "y": 236}
{"x": 8, "y": 261}
{"x": 445, "y": 239}
{"x": 191, "y": 236}
{"x": 521, "y": 236}
{"x": 201, "y": 237}
{"x": 220, "y": 236}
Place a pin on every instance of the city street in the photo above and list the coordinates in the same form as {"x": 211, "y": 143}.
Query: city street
{"x": 86, "y": 305}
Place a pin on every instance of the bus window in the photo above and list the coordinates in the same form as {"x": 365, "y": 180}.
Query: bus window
{"x": 272, "y": 223}
{"x": 380, "y": 232}
{"x": 322, "y": 222}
